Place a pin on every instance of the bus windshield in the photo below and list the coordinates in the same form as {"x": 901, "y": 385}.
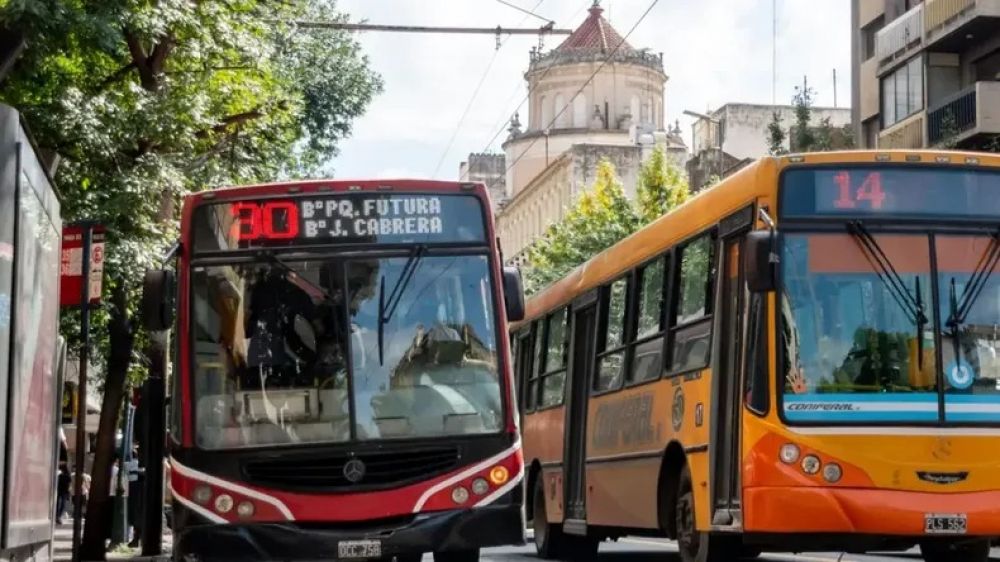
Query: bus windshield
{"x": 858, "y": 328}
{"x": 293, "y": 351}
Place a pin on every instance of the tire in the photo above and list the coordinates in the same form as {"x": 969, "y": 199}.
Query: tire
{"x": 471, "y": 555}
{"x": 694, "y": 545}
{"x": 965, "y": 551}
{"x": 551, "y": 543}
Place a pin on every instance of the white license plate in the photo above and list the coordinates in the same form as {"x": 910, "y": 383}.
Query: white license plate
{"x": 945, "y": 523}
{"x": 359, "y": 549}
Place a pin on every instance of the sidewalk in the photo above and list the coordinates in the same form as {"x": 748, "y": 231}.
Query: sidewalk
{"x": 62, "y": 547}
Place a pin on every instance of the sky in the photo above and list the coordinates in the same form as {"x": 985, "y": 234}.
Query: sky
{"x": 715, "y": 51}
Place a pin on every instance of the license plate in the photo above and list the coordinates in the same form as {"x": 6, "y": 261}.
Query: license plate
{"x": 359, "y": 549}
{"x": 945, "y": 523}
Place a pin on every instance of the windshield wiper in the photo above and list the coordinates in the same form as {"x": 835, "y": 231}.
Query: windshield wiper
{"x": 960, "y": 307}
{"x": 386, "y": 309}
{"x": 271, "y": 257}
{"x": 912, "y": 306}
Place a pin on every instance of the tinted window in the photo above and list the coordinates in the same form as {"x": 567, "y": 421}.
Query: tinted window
{"x": 555, "y": 358}
{"x": 650, "y": 299}
{"x": 694, "y": 283}
{"x": 611, "y": 361}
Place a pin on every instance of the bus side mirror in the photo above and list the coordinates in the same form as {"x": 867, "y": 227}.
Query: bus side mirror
{"x": 158, "y": 291}
{"x": 513, "y": 293}
{"x": 760, "y": 260}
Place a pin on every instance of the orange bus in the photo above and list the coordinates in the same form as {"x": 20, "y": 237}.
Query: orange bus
{"x": 801, "y": 358}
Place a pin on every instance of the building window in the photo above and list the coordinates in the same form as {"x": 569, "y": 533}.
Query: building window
{"x": 903, "y": 92}
{"x": 580, "y": 111}
{"x": 546, "y": 113}
{"x": 868, "y": 33}
{"x": 558, "y": 111}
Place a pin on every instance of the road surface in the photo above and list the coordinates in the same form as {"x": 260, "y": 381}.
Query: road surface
{"x": 655, "y": 550}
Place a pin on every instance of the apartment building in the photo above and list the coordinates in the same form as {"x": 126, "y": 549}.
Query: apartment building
{"x": 926, "y": 73}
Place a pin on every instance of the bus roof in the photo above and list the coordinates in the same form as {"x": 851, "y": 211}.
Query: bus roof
{"x": 332, "y": 185}
{"x": 707, "y": 207}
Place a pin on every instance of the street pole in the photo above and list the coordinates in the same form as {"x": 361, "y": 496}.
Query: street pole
{"x": 119, "y": 529}
{"x": 81, "y": 413}
{"x": 154, "y": 434}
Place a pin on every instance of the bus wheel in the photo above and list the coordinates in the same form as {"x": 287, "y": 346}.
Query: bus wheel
{"x": 966, "y": 551}
{"x": 471, "y": 555}
{"x": 548, "y": 538}
{"x": 696, "y": 546}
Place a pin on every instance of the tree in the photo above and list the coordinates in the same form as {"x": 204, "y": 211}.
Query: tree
{"x": 662, "y": 186}
{"x": 600, "y": 217}
{"x": 148, "y": 101}
{"x": 823, "y": 136}
{"x": 805, "y": 138}
{"x": 776, "y": 135}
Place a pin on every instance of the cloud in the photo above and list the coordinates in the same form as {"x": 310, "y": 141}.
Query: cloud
{"x": 715, "y": 51}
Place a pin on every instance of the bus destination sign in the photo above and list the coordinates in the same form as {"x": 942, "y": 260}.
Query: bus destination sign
{"x": 913, "y": 191}
{"x": 351, "y": 218}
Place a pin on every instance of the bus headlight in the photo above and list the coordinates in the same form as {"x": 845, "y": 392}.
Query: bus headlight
{"x": 480, "y": 486}
{"x": 832, "y": 472}
{"x": 810, "y": 464}
{"x": 245, "y": 510}
{"x": 224, "y": 503}
{"x": 499, "y": 475}
{"x": 459, "y": 495}
{"x": 202, "y": 494}
{"x": 789, "y": 453}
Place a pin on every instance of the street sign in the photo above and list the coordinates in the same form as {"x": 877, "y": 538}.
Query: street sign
{"x": 71, "y": 268}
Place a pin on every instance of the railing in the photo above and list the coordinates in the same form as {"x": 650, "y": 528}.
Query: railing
{"x": 901, "y": 34}
{"x": 908, "y": 133}
{"x": 952, "y": 117}
{"x": 939, "y": 12}
{"x": 555, "y": 57}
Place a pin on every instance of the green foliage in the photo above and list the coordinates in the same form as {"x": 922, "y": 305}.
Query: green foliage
{"x": 823, "y": 136}
{"x": 148, "y": 101}
{"x": 600, "y": 217}
{"x": 805, "y": 137}
{"x": 662, "y": 186}
{"x": 775, "y": 136}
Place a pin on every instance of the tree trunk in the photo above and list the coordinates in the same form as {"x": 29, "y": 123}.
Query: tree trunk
{"x": 121, "y": 338}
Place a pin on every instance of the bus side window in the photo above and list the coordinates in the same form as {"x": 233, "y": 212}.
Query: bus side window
{"x": 647, "y": 358}
{"x": 611, "y": 359}
{"x": 755, "y": 391}
{"x": 692, "y": 331}
{"x": 522, "y": 367}
{"x": 551, "y": 372}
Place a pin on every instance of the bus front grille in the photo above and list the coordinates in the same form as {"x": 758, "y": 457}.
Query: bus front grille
{"x": 377, "y": 469}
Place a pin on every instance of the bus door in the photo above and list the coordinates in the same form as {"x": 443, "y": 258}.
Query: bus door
{"x": 580, "y": 374}
{"x": 727, "y": 380}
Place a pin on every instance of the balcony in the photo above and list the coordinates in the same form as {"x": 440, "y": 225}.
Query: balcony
{"x": 949, "y": 21}
{"x": 902, "y": 34}
{"x": 969, "y": 113}
{"x": 908, "y": 133}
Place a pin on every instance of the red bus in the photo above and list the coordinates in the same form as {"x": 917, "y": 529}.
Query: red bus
{"x": 343, "y": 382}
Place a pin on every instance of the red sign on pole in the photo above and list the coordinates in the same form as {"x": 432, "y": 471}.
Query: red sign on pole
{"x": 71, "y": 268}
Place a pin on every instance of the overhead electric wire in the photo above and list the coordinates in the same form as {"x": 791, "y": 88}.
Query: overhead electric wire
{"x": 475, "y": 93}
{"x": 600, "y": 67}
{"x": 502, "y": 125}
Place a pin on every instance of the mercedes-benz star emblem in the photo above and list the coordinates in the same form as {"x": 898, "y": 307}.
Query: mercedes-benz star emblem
{"x": 354, "y": 471}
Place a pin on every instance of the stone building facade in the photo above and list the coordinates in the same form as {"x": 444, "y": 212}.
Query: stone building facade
{"x": 593, "y": 96}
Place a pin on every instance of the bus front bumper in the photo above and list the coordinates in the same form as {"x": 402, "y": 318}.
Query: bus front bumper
{"x": 897, "y": 513}
{"x": 494, "y": 525}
